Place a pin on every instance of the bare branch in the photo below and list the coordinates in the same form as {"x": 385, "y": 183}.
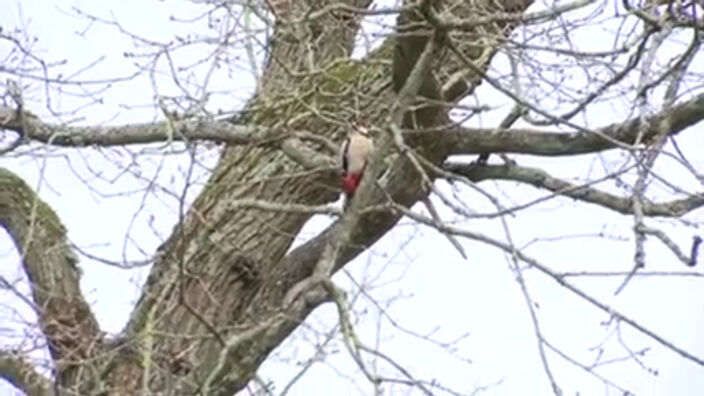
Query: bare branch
{"x": 462, "y": 140}
{"x": 554, "y": 276}
{"x": 586, "y": 368}
{"x": 20, "y": 373}
{"x": 541, "y": 179}
{"x": 106, "y": 136}
{"x": 30, "y": 127}
{"x": 690, "y": 260}
{"x": 472, "y": 22}
{"x": 456, "y": 139}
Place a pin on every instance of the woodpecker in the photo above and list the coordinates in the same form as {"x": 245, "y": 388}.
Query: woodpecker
{"x": 355, "y": 154}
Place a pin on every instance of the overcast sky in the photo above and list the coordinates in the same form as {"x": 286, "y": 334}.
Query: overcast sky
{"x": 413, "y": 273}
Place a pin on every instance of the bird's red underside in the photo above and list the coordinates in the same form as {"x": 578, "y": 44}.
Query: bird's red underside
{"x": 350, "y": 182}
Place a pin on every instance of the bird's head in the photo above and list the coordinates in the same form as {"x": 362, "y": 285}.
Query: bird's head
{"x": 358, "y": 129}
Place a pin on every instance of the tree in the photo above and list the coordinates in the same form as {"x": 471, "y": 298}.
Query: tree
{"x": 226, "y": 287}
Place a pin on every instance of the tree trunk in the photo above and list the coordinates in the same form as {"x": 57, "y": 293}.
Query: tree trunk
{"x": 224, "y": 292}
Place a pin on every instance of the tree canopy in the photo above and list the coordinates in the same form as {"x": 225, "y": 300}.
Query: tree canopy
{"x": 561, "y": 136}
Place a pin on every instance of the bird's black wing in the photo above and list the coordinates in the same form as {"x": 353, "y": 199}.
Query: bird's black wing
{"x": 343, "y": 155}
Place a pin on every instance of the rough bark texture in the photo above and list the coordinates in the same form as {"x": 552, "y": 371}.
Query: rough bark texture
{"x": 230, "y": 266}
{"x": 224, "y": 292}
{"x": 64, "y": 316}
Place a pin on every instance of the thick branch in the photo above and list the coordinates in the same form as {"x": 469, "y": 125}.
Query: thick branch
{"x": 239, "y": 255}
{"x": 120, "y": 135}
{"x": 291, "y": 143}
{"x": 65, "y": 318}
{"x": 541, "y": 179}
{"x": 461, "y": 140}
{"x": 457, "y": 139}
{"x": 20, "y": 373}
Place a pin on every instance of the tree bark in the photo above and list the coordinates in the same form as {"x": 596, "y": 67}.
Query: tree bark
{"x": 64, "y": 316}
{"x": 230, "y": 266}
{"x": 226, "y": 289}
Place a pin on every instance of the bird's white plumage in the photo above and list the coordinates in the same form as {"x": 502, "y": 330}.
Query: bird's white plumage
{"x": 356, "y": 150}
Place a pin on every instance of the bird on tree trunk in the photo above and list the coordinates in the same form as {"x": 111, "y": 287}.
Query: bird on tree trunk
{"x": 355, "y": 151}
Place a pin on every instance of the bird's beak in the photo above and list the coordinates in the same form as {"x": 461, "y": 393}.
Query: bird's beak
{"x": 361, "y": 129}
